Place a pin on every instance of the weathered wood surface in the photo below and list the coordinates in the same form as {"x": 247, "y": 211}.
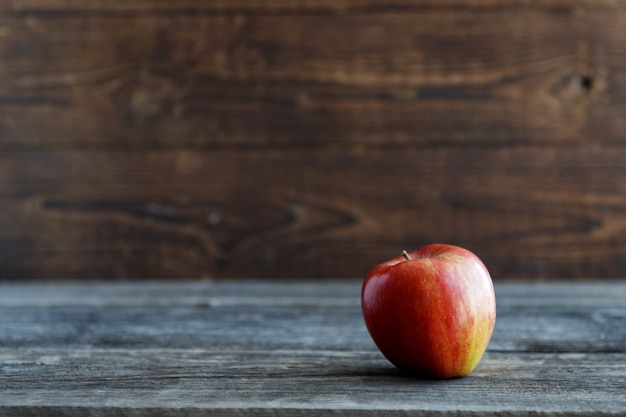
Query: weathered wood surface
{"x": 272, "y": 138}
{"x": 261, "y": 348}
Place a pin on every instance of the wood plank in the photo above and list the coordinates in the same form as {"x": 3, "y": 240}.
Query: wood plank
{"x": 204, "y": 316}
{"x": 282, "y": 293}
{"x": 527, "y": 212}
{"x": 209, "y": 371}
{"x": 374, "y": 79}
{"x": 588, "y": 330}
{"x": 539, "y": 80}
{"x": 302, "y": 6}
{"x": 46, "y": 382}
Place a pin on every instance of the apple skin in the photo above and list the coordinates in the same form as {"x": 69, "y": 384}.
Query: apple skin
{"x": 431, "y": 315}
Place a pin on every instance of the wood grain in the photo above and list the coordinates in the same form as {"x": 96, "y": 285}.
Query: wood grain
{"x": 269, "y": 348}
{"x": 156, "y": 139}
{"x": 201, "y": 382}
{"x": 155, "y": 317}
{"x": 366, "y": 80}
{"x": 300, "y": 7}
{"x": 87, "y": 215}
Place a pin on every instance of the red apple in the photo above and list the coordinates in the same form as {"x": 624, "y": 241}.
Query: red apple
{"x": 431, "y": 312}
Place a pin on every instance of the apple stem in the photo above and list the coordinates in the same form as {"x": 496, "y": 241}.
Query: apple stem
{"x": 406, "y": 255}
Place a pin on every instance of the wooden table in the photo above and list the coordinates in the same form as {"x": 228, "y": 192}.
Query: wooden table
{"x": 286, "y": 349}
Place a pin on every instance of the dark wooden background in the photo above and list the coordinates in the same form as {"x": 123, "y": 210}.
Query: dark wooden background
{"x": 313, "y": 138}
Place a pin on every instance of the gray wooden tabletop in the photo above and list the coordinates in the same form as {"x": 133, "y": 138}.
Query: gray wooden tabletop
{"x": 267, "y": 348}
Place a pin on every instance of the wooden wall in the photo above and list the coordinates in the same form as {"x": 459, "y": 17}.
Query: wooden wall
{"x": 311, "y": 138}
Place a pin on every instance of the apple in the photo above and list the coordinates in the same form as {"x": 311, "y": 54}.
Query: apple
{"x": 431, "y": 312}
